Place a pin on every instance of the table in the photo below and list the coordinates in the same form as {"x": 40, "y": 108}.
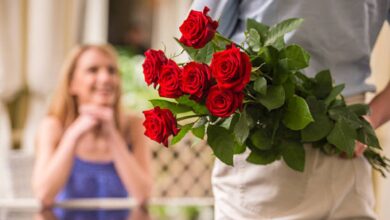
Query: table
{"x": 108, "y": 208}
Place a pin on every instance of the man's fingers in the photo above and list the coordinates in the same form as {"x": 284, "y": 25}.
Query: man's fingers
{"x": 359, "y": 149}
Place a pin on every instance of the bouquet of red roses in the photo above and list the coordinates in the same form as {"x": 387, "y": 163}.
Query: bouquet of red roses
{"x": 252, "y": 95}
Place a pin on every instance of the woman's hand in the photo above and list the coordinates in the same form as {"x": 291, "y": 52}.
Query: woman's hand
{"x": 82, "y": 124}
{"x": 103, "y": 115}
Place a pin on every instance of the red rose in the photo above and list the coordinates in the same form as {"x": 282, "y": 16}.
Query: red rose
{"x": 170, "y": 80}
{"x": 231, "y": 68}
{"x": 154, "y": 60}
{"x": 160, "y": 124}
{"x": 223, "y": 103}
{"x": 196, "y": 79}
{"x": 198, "y": 29}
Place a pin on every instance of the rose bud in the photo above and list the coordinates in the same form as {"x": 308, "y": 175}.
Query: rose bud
{"x": 231, "y": 69}
{"x": 198, "y": 29}
{"x": 223, "y": 103}
{"x": 160, "y": 124}
{"x": 170, "y": 80}
{"x": 196, "y": 79}
{"x": 154, "y": 60}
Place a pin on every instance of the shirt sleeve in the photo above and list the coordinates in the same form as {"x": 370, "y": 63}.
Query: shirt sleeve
{"x": 225, "y": 11}
{"x": 388, "y": 14}
{"x": 216, "y": 7}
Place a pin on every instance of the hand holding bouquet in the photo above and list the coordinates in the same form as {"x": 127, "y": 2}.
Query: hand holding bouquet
{"x": 253, "y": 95}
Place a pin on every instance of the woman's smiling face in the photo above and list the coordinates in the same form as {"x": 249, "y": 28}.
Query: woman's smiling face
{"x": 95, "y": 78}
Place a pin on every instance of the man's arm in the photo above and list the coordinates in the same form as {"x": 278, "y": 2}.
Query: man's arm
{"x": 380, "y": 108}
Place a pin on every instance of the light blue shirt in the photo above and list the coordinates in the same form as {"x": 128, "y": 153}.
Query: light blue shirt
{"x": 339, "y": 34}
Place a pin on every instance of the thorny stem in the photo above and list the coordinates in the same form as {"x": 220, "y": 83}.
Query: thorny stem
{"x": 227, "y": 40}
{"x": 176, "y": 55}
{"x": 190, "y": 116}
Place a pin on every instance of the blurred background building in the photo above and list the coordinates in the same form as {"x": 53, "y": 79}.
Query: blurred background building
{"x": 35, "y": 35}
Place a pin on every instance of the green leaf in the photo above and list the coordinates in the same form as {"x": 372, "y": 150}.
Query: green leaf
{"x": 359, "y": 109}
{"x": 190, "y": 51}
{"x": 318, "y": 129}
{"x": 330, "y": 149}
{"x": 239, "y": 148}
{"x": 253, "y": 77}
{"x": 317, "y": 107}
{"x": 199, "y": 131}
{"x": 279, "y": 30}
{"x": 219, "y": 42}
{"x": 366, "y": 135}
{"x": 293, "y": 154}
{"x": 261, "y": 139}
{"x": 275, "y": 117}
{"x": 222, "y": 143}
{"x": 230, "y": 122}
{"x": 343, "y": 113}
{"x": 294, "y": 57}
{"x": 297, "y": 115}
{"x": 261, "y": 157}
{"x": 338, "y": 103}
{"x": 269, "y": 54}
{"x": 304, "y": 84}
{"x": 202, "y": 55}
{"x": 196, "y": 107}
{"x": 289, "y": 87}
{"x": 303, "y": 78}
{"x": 280, "y": 75}
{"x": 343, "y": 137}
{"x": 334, "y": 93}
{"x": 253, "y": 114}
{"x": 174, "y": 107}
{"x": 279, "y": 43}
{"x": 260, "y": 85}
{"x": 241, "y": 129}
{"x": 205, "y": 54}
{"x": 200, "y": 122}
{"x": 286, "y": 133}
{"x": 254, "y": 40}
{"x": 323, "y": 85}
{"x": 274, "y": 98}
{"x": 261, "y": 29}
{"x": 183, "y": 131}
{"x": 233, "y": 122}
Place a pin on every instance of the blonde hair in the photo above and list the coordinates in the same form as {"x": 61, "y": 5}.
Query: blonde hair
{"x": 63, "y": 105}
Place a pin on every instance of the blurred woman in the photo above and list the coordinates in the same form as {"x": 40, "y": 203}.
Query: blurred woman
{"x": 86, "y": 147}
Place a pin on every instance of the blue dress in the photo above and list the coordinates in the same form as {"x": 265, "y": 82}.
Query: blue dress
{"x": 92, "y": 180}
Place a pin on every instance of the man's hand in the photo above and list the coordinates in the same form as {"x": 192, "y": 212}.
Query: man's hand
{"x": 360, "y": 147}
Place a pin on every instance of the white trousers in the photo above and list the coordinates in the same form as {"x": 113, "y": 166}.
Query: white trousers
{"x": 330, "y": 188}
